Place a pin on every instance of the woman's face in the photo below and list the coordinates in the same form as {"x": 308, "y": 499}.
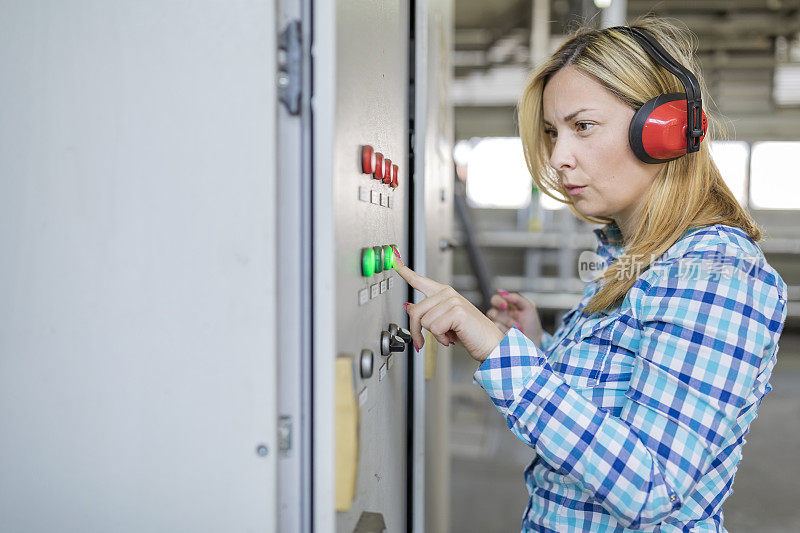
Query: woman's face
{"x": 588, "y": 130}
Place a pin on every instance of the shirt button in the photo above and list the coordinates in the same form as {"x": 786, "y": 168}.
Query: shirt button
{"x": 673, "y": 497}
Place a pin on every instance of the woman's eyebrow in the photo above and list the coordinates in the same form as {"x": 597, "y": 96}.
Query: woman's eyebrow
{"x": 572, "y": 115}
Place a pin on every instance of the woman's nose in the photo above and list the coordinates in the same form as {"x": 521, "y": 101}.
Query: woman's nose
{"x": 562, "y": 155}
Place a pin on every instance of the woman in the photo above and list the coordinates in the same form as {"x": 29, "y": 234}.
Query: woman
{"x": 637, "y": 406}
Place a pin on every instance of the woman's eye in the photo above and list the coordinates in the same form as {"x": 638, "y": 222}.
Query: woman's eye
{"x": 581, "y": 127}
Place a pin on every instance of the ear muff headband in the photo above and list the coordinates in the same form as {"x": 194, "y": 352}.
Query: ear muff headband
{"x": 652, "y": 133}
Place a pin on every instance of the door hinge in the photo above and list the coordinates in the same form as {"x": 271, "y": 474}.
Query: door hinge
{"x": 290, "y": 67}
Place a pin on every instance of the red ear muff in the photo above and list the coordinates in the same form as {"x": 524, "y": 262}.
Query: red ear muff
{"x": 657, "y": 133}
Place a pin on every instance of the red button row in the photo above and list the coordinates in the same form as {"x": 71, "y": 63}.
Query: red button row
{"x": 381, "y": 168}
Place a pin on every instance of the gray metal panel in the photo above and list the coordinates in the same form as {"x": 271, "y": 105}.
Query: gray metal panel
{"x": 137, "y": 333}
{"x": 372, "y": 108}
{"x": 433, "y": 216}
{"x": 361, "y": 85}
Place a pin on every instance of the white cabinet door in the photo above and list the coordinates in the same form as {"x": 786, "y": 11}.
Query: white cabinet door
{"x": 137, "y": 181}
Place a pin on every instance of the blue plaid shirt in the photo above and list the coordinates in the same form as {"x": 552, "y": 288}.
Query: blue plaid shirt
{"x": 638, "y": 414}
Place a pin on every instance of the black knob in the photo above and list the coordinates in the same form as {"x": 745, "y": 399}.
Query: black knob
{"x": 391, "y": 343}
{"x": 404, "y": 334}
{"x": 396, "y": 344}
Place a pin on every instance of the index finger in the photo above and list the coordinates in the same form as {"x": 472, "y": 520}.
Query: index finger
{"x": 425, "y": 285}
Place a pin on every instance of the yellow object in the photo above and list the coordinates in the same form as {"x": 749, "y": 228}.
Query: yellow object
{"x": 346, "y": 434}
{"x": 431, "y": 353}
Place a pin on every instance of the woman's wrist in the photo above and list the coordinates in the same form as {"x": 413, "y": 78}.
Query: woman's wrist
{"x": 498, "y": 337}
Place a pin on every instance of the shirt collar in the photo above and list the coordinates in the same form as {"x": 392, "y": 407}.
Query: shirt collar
{"x": 610, "y": 241}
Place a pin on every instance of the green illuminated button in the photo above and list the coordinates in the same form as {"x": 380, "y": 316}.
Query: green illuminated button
{"x": 367, "y": 262}
{"x": 378, "y": 259}
{"x": 388, "y": 257}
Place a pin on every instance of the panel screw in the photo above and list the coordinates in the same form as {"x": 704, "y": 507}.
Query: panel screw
{"x": 262, "y": 450}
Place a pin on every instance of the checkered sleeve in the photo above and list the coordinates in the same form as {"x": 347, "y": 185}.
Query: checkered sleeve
{"x": 703, "y": 345}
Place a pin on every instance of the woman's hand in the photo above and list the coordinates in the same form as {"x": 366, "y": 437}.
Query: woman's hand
{"x": 511, "y": 309}
{"x": 448, "y": 316}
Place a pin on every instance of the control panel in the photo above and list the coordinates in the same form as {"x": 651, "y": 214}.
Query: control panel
{"x": 370, "y": 194}
{"x": 372, "y": 220}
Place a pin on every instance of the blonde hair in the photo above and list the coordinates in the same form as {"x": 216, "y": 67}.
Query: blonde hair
{"x": 687, "y": 192}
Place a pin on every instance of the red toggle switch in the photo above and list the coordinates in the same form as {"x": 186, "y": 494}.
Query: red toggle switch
{"x": 367, "y": 159}
{"x": 387, "y": 171}
{"x": 395, "y": 171}
{"x": 377, "y": 172}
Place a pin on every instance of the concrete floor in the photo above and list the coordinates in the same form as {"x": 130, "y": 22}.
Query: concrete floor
{"x": 489, "y": 495}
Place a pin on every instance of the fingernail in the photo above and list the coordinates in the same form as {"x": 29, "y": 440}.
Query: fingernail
{"x": 504, "y": 293}
{"x": 416, "y": 347}
{"x": 396, "y": 253}
{"x": 503, "y": 305}
{"x": 405, "y": 305}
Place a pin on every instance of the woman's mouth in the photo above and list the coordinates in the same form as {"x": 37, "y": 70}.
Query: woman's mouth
{"x": 575, "y": 190}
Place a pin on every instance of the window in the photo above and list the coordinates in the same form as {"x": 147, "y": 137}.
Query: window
{"x": 786, "y": 85}
{"x": 775, "y": 175}
{"x": 731, "y": 159}
{"x": 497, "y": 176}
{"x": 786, "y": 81}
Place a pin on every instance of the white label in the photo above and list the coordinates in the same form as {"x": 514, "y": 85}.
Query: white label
{"x": 363, "y": 296}
{"x": 390, "y": 361}
{"x": 375, "y": 197}
{"x": 362, "y": 397}
{"x": 382, "y": 372}
{"x": 374, "y": 290}
{"x": 391, "y": 281}
{"x": 363, "y": 194}
{"x": 384, "y": 286}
